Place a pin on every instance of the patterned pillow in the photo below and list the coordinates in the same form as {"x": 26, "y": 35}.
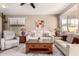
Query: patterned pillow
{"x": 32, "y": 34}
{"x": 45, "y": 34}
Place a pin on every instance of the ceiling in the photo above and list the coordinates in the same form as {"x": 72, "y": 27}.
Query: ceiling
{"x": 72, "y": 12}
{"x": 41, "y": 8}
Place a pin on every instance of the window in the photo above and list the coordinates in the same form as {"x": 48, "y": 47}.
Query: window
{"x": 70, "y": 25}
{"x": 16, "y": 20}
{"x": 64, "y": 24}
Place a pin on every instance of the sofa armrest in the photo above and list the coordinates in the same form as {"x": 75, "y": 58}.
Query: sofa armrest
{"x": 73, "y": 49}
{"x": 2, "y": 43}
{"x": 57, "y": 38}
{"x": 18, "y": 40}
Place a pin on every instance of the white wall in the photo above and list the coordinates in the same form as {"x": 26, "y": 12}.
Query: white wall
{"x": 50, "y": 21}
{"x": 72, "y": 12}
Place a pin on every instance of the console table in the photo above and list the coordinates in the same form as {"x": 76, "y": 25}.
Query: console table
{"x": 35, "y": 46}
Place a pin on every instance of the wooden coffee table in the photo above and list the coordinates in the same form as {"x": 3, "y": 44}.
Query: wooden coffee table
{"x": 35, "y": 46}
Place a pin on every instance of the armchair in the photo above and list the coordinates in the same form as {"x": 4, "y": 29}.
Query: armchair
{"x": 9, "y": 40}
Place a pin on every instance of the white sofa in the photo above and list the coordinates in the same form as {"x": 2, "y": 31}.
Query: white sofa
{"x": 67, "y": 48}
{"x": 9, "y": 40}
{"x": 35, "y": 35}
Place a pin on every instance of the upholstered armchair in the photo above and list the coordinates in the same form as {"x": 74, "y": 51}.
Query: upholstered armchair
{"x": 9, "y": 40}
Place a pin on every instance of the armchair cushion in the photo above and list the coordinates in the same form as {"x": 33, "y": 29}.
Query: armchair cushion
{"x": 10, "y": 41}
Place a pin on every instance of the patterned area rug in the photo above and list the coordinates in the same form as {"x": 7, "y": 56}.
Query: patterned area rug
{"x": 20, "y": 51}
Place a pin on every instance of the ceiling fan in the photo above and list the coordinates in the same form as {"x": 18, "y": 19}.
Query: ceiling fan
{"x": 31, "y": 4}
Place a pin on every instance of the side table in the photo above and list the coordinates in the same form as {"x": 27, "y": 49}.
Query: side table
{"x": 22, "y": 39}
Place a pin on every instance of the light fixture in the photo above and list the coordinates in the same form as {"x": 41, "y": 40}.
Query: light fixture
{"x": 3, "y": 6}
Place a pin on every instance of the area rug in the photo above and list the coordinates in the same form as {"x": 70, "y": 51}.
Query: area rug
{"x": 20, "y": 51}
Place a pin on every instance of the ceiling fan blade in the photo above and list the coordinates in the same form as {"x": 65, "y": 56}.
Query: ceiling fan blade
{"x": 32, "y": 4}
{"x": 22, "y": 4}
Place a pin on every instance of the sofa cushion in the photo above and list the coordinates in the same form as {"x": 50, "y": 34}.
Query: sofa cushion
{"x": 45, "y": 38}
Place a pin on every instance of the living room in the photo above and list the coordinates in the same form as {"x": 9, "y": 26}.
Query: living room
{"x": 39, "y": 29}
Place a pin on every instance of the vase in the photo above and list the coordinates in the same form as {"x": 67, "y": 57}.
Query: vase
{"x": 23, "y": 33}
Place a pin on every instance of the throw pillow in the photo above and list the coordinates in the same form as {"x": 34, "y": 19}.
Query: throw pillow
{"x": 32, "y": 34}
{"x": 63, "y": 38}
{"x": 70, "y": 38}
{"x": 14, "y": 38}
{"x": 75, "y": 40}
{"x": 45, "y": 34}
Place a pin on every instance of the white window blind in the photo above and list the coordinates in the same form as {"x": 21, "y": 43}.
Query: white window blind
{"x": 16, "y": 21}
